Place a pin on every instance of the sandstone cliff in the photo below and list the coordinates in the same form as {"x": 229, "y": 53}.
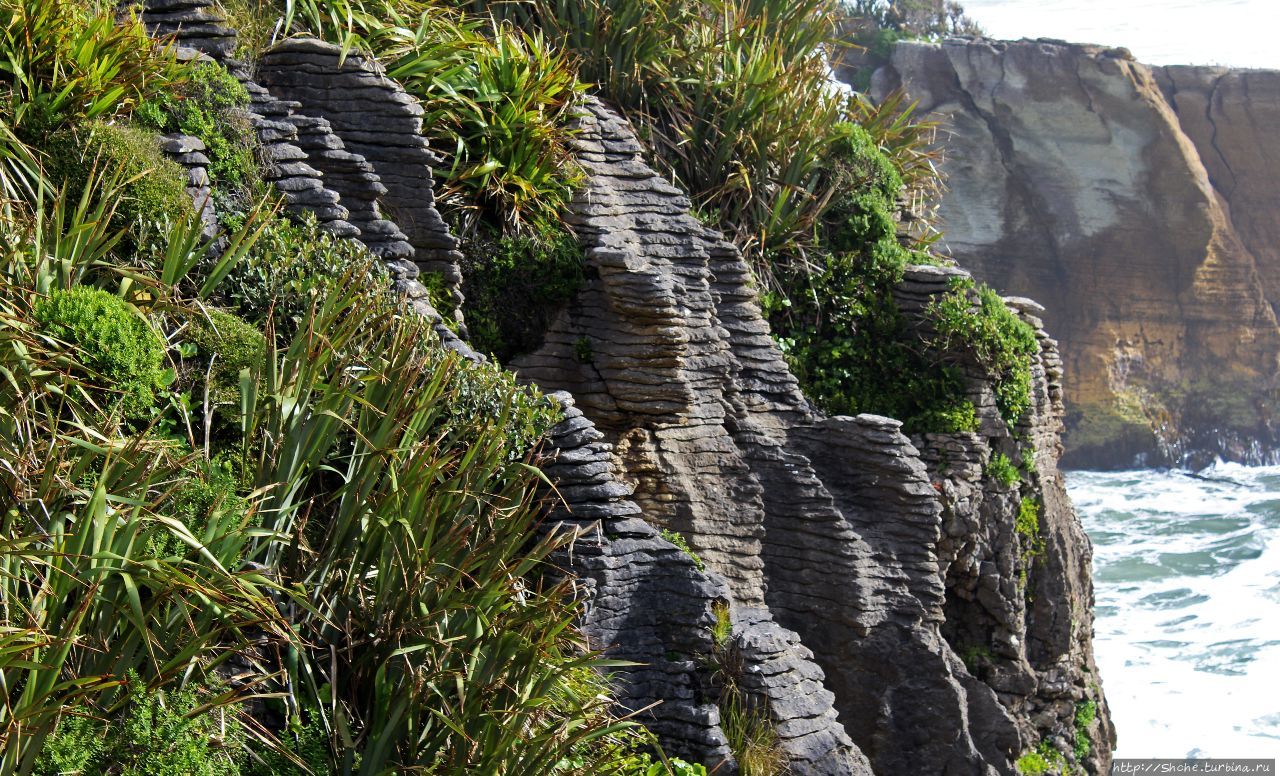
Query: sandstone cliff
{"x": 1139, "y": 205}
{"x": 893, "y": 607}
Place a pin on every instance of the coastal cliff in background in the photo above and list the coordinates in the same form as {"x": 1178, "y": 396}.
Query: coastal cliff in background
{"x": 892, "y": 604}
{"x": 1138, "y": 204}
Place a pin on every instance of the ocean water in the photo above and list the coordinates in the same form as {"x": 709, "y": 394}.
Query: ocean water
{"x": 1187, "y": 585}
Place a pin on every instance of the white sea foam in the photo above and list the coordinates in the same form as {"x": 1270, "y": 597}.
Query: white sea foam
{"x": 1187, "y": 581}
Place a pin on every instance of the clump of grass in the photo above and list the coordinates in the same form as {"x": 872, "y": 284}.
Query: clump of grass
{"x": 751, "y": 735}
{"x": 499, "y": 101}
{"x": 722, "y": 628}
{"x": 682, "y": 544}
{"x": 1001, "y": 469}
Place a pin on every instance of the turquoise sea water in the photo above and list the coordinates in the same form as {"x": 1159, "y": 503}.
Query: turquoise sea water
{"x": 1187, "y": 585}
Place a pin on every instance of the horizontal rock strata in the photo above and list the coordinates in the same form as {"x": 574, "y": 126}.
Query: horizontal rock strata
{"x": 1137, "y": 204}
{"x": 829, "y": 529}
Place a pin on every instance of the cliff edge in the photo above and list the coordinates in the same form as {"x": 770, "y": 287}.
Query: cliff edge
{"x": 1137, "y": 204}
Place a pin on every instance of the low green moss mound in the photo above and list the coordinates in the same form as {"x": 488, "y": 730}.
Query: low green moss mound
{"x": 155, "y": 187}
{"x": 122, "y": 352}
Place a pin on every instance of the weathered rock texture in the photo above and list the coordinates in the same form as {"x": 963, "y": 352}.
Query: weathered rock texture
{"x": 1139, "y": 205}
{"x": 858, "y": 574}
{"x": 329, "y": 129}
{"x": 834, "y": 536}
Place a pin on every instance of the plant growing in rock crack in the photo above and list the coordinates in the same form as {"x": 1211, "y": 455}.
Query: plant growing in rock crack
{"x": 682, "y": 544}
{"x": 1001, "y": 469}
{"x": 722, "y": 627}
{"x": 1086, "y": 713}
{"x": 744, "y": 715}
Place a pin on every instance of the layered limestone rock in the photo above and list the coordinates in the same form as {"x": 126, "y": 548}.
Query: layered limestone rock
{"x": 1140, "y": 216}
{"x": 884, "y": 611}
{"x": 887, "y": 565}
{"x": 380, "y": 123}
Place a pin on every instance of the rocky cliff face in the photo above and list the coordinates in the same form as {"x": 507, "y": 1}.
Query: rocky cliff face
{"x": 892, "y": 606}
{"x": 1139, "y": 205}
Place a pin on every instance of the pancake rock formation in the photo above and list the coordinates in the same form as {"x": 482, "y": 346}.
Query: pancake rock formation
{"x": 883, "y": 601}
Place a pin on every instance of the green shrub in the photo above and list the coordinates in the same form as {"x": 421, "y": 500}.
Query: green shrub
{"x": 1001, "y": 469}
{"x": 682, "y": 544}
{"x": 834, "y": 315}
{"x": 155, "y": 734}
{"x": 290, "y": 269}
{"x": 1002, "y": 343}
{"x": 204, "y": 105}
{"x": 155, "y": 187}
{"x": 514, "y": 287}
{"x": 111, "y": 339}
{"x": 213, "y": 488}
{"x": 959, "y": 418}
{"x": 1086, "y": 713}
{"x": 229, "y": 345}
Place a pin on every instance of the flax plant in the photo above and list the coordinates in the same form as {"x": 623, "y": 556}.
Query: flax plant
{"x": 436, "y": 635}
{"x": 83, "y": 503}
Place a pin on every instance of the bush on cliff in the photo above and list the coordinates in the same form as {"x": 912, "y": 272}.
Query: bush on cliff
{"x": 205, "y": 105}
{"x": 515, "y": 285}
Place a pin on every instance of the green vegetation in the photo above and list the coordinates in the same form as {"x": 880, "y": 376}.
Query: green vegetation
{"x": 355, "y": 525}
{"x": 752, "y": 737}
{"x": 974, "y": 656}
{"x": 1002, "y": 470}
{"x": 1086, "y": 713}
{"x": 155, "y": 187}
{"x": 682, "y": 544}
{"x": 722, "y": 629}
{"x": 1044, "y": 759}
{"x": 155, "y": 734}
{"x": 514, "y": 287}
{"x": 287, "y": 269}
{"x": 66, "y": 63}
{"x": 1002, "y": 343}
{"x": 744, "y": 715}
{"x": 497, "y": 100}
{"x": 204, "y": 106}
{"x": 111, "y": 341}
{"x": 835, "y": 317}
{"x": 1027, "y": 526}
